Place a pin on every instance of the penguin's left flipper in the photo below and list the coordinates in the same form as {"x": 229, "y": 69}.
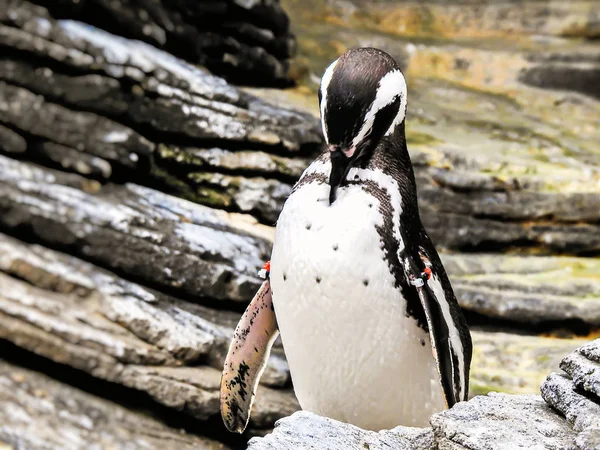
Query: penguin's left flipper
{"x": 446, "y": 343}
{"x": 246, "y": 359}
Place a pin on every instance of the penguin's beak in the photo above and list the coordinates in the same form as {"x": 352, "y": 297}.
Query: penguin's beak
{"x": 340, "y": 165}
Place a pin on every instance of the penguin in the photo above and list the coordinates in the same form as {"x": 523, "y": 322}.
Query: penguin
{"x": 369, "y": 323}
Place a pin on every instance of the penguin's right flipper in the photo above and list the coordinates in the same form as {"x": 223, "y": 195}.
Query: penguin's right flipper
{"x": 446, "y": 343}
{"x": 440, "y": 345}
{"x": 246, "y": 359}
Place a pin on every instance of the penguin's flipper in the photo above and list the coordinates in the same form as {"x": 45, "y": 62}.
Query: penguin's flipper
{"x": 246, "y": 359}
{"x": 446, "y": 343}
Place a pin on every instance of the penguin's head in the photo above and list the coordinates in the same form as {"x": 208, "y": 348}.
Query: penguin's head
{"x": 362, "y": 99}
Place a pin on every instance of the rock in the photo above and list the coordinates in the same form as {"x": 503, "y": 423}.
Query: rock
{"x": 107, "y": 74}
{"x": 498, "y": 165}
{"x": 576, "y": 394}
{"x": 169, "y": 242}
{"x": 514, "y": 363}
{"x": 111, "y": 108}
{"x": 12, "y": 142}
{"x": 78, "y": 315}
{"x": 163, "y": 240}
{"x": 495, "y": 421}
{"x": 582, "y": 413}
{"x": 501, "y": 421}
{"x": 583, "y": 366}
{"x": 527, "y": 289}
{"x": 39, "y": 412}
{"x": 477, "y": 18}
{"x": 247, "y": 42}
{"x": 305, "y": 430}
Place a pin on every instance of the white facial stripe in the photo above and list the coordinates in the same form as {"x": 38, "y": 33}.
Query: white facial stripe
{"x": 401, "y": 109}
{"x": 391, "y": 86}
{"x": 324, "y": 85}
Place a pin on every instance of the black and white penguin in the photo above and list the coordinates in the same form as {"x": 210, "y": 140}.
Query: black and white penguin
{"x": 370, "y": 325}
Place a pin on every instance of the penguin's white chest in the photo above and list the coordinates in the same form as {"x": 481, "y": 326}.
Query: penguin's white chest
{"x": 353, "y": 352}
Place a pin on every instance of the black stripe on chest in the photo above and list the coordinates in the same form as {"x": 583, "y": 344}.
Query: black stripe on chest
{"x": 391, "y": 247}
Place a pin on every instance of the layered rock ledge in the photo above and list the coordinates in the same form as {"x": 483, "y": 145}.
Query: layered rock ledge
{"x": 246, "y": 42}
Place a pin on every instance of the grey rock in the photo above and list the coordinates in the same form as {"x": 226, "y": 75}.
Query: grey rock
{"x": 580, "y": 411}
{"x": 40, "y": 413}
{"x": 526, "y": 289}
{"x": 583, "y": 366}
{"x": 249, "y": 42}
{"x": 105, "y": 73}
{"x": 560, "y": 393}
{"x": 76, "y": 314}
{"x": 501, "y": 421}
{"x": 154, "y": 237}
{"x": 575, "y": 394}
{"x": 305, "y": 430}
{"x": 11, "y": 142}
{"x": 495, "y": 421}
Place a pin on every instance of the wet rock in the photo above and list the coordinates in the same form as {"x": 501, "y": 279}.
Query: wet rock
{"x": 39, "y": 412}
{"x": 76, "y": 314}
{"x": 305, "y": 430}
{"x": 247, "y": 42}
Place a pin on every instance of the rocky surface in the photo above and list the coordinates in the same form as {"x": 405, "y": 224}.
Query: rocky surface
{"x": 498, "y": 165}
{"x": 108, "y": 270}
{"x": 495, "y": 421}
{"x": 210, "y": 255}
{"x": 504, "y": 155}
{"x": 305, "y": 430}
{"x": 576, "y": 393}
{"x": 76, "y": 314}
{"x": 134, "y": 106}
{"x": 40, "y": 413}
{"x": 568, "y": 419}
{"x": 247, "y": 42}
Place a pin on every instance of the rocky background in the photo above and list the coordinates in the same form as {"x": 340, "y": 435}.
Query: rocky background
{"x": 146, "y": 147}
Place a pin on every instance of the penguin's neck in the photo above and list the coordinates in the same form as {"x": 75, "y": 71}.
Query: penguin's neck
{"x": 391, "y": 157}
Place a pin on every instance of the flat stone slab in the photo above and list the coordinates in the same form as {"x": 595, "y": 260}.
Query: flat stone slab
{"x": 305, "y": 430}
{"x": 39, "y": 412}
{"x": 79, "y": 315}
